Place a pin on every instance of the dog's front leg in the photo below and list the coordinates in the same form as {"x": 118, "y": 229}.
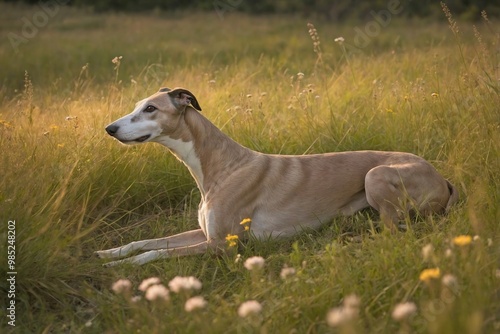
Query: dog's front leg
{"x": 153, "y": 255}
{"x": 179, "y": 240}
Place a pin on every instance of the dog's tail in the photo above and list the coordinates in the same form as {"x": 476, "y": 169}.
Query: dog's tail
{"x": 453, "y": 196}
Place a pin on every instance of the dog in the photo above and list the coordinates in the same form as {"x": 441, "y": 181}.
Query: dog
{"x": 281, "y": 194}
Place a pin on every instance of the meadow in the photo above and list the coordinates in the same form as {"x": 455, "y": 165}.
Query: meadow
{"x": 426, "y": 87}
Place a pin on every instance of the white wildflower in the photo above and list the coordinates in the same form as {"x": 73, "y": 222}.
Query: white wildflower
{"x": 341, "y": 315}
{"x": 180, "y": 283}
{"x": 145, "y": 284}
{"x": 238, "y": 258}
{"x": 157, "y": 291}
{"x": 339, "y": 40}
{"x": 352, "y": 301}
{"x": 427, "y": 251}
{"x": 135, "y": 299}
{"x": 248, "y": 308}
{"x": 403, "y": 311}
{"x": 287, "y": 272}
{"x": 450, "y": 281}
{"x": 195, "y": 303}
{"x": 254, "y": 263}
{"x": 349, "y": 311}
{"x": 121, "y": 286}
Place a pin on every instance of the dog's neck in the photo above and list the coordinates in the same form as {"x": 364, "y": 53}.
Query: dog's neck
{"x": 210, "y": 155}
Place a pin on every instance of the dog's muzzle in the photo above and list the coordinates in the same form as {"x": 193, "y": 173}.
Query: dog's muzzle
{"x": 113, "y": 129}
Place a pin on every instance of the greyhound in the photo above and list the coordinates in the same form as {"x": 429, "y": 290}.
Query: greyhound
{"x": 281, "y": 194}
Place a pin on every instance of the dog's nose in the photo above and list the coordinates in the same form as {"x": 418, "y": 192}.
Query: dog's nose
{"x": 112, "y": 129}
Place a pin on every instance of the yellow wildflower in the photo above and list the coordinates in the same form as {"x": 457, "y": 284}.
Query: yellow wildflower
{"x": 60, "y": 145}
{"x": 246, "y": 222}
{"x": 462, "y": 240}
{"x": 232, "y": 240}
{"x": 428, "y": 274}
{"x": 54, "y": 127}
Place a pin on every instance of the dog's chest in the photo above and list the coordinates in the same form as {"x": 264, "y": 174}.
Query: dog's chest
{"x": 206, "y": 220}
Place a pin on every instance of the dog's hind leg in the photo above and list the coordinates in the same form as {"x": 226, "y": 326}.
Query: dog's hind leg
{"x": 179, "y": 240}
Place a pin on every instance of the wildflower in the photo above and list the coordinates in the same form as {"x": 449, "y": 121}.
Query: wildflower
{"x": 315, "y": 38}
{"x": 449, "y": 281}
{"x": 145, "y": 284}
{"x": 88, "y": 323}
{"x": 246, "y": 223}
{"x": 462, "y": 240}
{"x": 195, "y": 303}
{"x": 340, "y": 315}
{"x": 60, "y": 145}
{"x": 135, "y": 299}
{"x": 157, "y": 291}
{"x": 212, "y": 82}
{"x": 300, "y": 75}
{"x": 238, "y": 258}
{"x": 179, "y": 283}
{"x": 116, "y": 60}
{"x": 427, "y": 251}
{"x": 121, "y": 286}
{"x": 248, "y": 308}
{"x": 476, "y": 238}
{"x": 428, "y": 274}
{"x": 339, "y": 40}
{"x": 232, "y": 240}
{"x": 435, "y": 95}
{"x": 403, "y": 311}
{"x": 287, "y": 272}
{"x": 448, "y": 253}
{"x": 352, "y": 301}
{"x": 254, "y": 263}
{"x": 344, "y": 314}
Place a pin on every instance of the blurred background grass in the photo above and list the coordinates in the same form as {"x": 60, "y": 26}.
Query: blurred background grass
{"x": 72, "y": 190}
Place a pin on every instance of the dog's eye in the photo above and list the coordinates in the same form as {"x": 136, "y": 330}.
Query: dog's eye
{"x": 150, "y": 109}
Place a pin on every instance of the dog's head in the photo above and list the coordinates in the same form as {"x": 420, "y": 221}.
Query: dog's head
{"x": 155, "y": 116}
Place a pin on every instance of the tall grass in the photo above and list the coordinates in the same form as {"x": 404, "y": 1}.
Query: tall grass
{"x": 72, "y": 190}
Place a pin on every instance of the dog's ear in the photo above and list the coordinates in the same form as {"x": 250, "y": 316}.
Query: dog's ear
{"x": 164, "y": 89}
{"x": 182, "y": 98}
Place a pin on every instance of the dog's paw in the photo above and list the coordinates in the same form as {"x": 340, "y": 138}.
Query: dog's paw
{"x": 106, "y": 254}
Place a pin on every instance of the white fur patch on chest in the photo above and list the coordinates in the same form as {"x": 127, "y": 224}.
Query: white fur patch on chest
{"x": 206, "y": 219}
{"x": 184, "y": 151}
